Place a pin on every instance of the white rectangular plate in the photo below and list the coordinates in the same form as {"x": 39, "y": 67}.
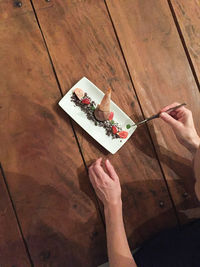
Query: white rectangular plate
{"x": 97, "y": 132}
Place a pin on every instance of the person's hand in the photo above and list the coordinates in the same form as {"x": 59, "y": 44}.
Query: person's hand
{"x": 182, "y": 123}
{"x": 106, "y": 184}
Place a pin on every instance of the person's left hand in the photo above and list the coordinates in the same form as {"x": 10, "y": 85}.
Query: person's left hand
{"x": 106, "y": 184}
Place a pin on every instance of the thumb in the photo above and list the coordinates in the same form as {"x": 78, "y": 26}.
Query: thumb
{"x": 111, "y": 170}
{"x": 169, "y": 119}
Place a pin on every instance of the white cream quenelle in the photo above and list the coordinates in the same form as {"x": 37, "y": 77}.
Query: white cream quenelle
{"x": 102, "y": 111}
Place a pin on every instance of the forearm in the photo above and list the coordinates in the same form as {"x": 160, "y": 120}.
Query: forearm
{"x": 118, "y": 249}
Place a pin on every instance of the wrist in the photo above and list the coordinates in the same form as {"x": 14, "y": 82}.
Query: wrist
{"x": 194, "y": 145}
{"x": 112, "y": 208}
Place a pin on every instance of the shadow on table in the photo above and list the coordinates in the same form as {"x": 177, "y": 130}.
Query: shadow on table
{"x": 178, "y": 165}
{"x": 87, "y": 188}
{"x": 142, "y": 218}
{"x": 57, "y": 223}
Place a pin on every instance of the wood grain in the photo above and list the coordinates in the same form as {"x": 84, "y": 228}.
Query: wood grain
{"x": 161, "y": 75}
{"x": 43, "y": 167}
{"x": 12, "y": 249}
{"x": 188, "y": 16}
{"x": 9, "y": 9}
{"x": 81, "y": 42}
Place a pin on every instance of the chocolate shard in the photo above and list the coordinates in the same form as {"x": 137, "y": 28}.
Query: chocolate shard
{"x": 102, "y": 111}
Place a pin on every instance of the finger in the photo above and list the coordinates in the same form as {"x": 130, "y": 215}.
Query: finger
{"x": 170, "y": 120}
{"x": 94, "y": 163}
{"x": 173, "y": 113}
{"x": 101, "y": 175}
{"x": 111, "y": 171}
{"x": 169, "y": 106}
{"x": 181, "y": 113}
{"x": 98, "y": 162}
{"x": 91, "y": 172}
{"x": 93, "y": 183}
{"x": 95, "y": 166}
{"x": 92, "y": 177}
{"x": 99, "y": 172}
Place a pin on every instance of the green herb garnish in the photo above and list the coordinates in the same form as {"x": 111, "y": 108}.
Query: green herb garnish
{"x": 128, "y": 126}
{"x": 92, "y": 108}
{"x": 112, "y": 122}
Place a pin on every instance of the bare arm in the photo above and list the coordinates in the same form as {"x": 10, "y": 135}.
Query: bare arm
{"x": 182, "y": 123}
{"x": 118, "y": 248}
{"x": 108, "y": 189}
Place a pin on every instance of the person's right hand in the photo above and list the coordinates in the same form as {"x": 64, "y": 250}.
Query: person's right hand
{"x": 182, "y": 123}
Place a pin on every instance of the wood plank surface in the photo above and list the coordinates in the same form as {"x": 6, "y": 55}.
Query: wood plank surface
{"x": 43, "y": 166}
{"x": 12, "y": 249}
{"x": 161, "y": 75}
{"x": 81, "y": 42}
{"x": 188, "y": 17}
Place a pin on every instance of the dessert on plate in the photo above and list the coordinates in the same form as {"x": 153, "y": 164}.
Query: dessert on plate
{"x": 100, "y": 114}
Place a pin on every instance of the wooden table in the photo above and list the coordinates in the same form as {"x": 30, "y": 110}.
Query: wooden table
{"x": 148, "y": 52}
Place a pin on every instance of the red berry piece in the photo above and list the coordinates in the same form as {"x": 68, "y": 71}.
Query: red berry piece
{"x": 123, "y": 134}
{"x": 85, "y": 101}
{"x": 111, "y": 116}
{"x": 114, "y": 129}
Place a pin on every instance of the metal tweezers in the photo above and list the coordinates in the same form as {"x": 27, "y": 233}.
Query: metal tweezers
{"x": 158, "y": 115}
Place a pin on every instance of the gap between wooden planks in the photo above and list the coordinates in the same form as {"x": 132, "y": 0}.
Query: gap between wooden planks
{"x": 187, "y": 18}
{"x": 12, "y": 247}
{"x": 161, "y": 75}
{"x": 43, "y": 167}
{"x": 81, "y": 42}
